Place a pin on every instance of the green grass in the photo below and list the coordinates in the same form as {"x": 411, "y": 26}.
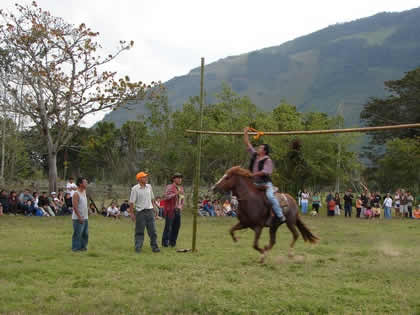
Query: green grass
{"x": 359, "y": 267}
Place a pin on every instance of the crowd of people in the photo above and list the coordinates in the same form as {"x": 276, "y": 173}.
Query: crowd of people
{"x": 367, "y": 204}
{"x": 217, "y": 208}
{"x": 33, "y": 203}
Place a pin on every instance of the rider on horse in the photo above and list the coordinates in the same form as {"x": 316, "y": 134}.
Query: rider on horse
{"x": 261, "y": 167}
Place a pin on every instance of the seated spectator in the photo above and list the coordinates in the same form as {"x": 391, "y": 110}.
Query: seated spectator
{"x": 39, "y": 212}
{"x": 368, "y": 213}
{"x": 124, "y": 208}
{"x": 55, "y": 203}
{"x": 234, "y": 204}
{"x": 68, "y": 204}
{"x": 44, "y": 203}
{"x": 113, "y": 211}
{"x": 208, "y": 207}
{"x": 23, "y": 199}
{"x": 4, "y": 201}
{"x": 218, "y": 208}
{"x": 104, "y": 212}
{"x": 13, "y": 203}
{"x": 376, "y": 212}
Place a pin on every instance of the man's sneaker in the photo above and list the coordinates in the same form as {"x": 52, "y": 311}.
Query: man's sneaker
{"x": 156, "y": 250}
{"x": 137, "y": 250}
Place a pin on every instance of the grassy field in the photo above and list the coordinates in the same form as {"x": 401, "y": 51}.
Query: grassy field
{"x": 359, "y": 267}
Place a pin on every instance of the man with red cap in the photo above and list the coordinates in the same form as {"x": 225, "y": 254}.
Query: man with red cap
{"x": 142, "y": 200}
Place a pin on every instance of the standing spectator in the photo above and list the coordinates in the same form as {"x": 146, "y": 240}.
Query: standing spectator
{"x": 410, "y": 200}
{"x": 397, "y": 203}
{"x": 387, "y": 204}
{"x": 174, "y": 202}
{"x": 141, "y": 199}
{"x": 4, "y": 201}
{"x": 113, "y": 211}
{"x": 377, "y": 199}
{"x": 337, "y": 204}
{"x": 13, "y": 202}
{"x": 358, "y": 206}
{"x": 124, "y": 208}
{"x": 159, "y": 213}
{"x": 71, "y": 187}
{"x": 1, "y": 209}
{"x": 328, "y": 199}
{"x": 80, "y": 216}
{"x": 316, "y": 201}
{"x": 365, "y": 202}
{"x": 304, "y": 201}
{"x": 403, "y": 203}
{"x": 348, "y": 203}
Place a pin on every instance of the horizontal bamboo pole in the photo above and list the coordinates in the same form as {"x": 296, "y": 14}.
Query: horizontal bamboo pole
{"x": 307, "y": 132}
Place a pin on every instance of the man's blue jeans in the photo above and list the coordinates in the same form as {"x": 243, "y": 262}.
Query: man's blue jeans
{"x": 80, "y": 235}
{"x": 387, "y": 212}
{"x": 273, "y": 200}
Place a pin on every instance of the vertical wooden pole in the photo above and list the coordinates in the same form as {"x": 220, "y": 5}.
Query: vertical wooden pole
{"x": 198, "y": 163}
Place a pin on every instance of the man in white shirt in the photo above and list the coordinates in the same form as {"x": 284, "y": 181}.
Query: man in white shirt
{"x": 113, "y": 211}
{"x": 141, "y": 212}
{"x": 71, "y": 186}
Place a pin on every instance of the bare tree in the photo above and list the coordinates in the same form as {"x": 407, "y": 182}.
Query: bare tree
{"x": 57, "y": 69}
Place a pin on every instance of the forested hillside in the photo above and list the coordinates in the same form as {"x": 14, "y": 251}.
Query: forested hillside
{"x": 341, "y": 64}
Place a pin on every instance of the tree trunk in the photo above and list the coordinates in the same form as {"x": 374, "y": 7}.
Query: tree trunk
{"x": 3, "y": 150}
{"x": 52, "y": 170}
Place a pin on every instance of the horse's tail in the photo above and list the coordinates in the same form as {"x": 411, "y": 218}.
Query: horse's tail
{"x": 306, "y": 233}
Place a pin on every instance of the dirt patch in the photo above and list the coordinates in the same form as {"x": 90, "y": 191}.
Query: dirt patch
{"x": 388, "y": 250}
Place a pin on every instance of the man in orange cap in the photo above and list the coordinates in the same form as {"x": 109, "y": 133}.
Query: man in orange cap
{"x": 142, "y": 199}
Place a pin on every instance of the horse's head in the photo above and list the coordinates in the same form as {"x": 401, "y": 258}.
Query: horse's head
{"x": 229, "y": 180}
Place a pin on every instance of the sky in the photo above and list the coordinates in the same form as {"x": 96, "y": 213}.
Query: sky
{"x": 170, "y": 36}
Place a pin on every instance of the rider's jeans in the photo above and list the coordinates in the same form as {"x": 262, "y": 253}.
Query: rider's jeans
{"x": 273, "y": 200}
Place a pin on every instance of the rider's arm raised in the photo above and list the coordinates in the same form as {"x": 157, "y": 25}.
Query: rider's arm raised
{"x": 246, "y": 138}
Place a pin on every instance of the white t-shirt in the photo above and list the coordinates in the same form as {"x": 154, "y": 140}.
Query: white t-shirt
{"x": 142, "y": 197}
{"x": 113, "y": 210}
{"x": 388, "y": 202}
{"x": 71, "y": 188}
{"x": 82, "y": 206}
{"x": 305, "y": 197}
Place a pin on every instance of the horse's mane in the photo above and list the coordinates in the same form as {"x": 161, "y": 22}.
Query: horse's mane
{"x": 237, "y": 170}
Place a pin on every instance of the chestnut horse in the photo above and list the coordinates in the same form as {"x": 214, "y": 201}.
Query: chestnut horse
{"x": 255, "y": 210}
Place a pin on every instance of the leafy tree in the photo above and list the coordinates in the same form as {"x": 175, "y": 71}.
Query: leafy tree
{"x": 400, "y": 165}
{"x": 56, "y": 77}
{"x": 402, "y": 106}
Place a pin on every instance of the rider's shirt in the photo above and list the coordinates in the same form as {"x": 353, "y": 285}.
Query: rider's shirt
{"x": 268, "y": 164}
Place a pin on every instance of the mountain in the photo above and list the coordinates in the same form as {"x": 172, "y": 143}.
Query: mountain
{"x": 341, "y": 64}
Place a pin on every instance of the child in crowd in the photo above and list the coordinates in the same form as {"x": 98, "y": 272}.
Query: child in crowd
{"x": 331, "y": 207}
{"x": 358, "y": 206}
